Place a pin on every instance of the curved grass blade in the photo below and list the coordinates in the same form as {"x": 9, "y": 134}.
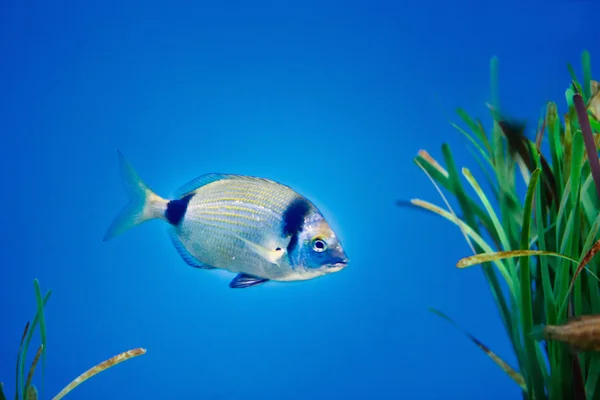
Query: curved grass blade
{"x": 474, "y": 142}
{"x": 447, "y": 204}
{"x": 432, "y": 161}
{"x": 588, "y": 138}
{"x": 534, "y": 376}
{"x": 590, "y": 254}
{"x": 469, "y": 208}
{"x": 500, "y": 255}
{"x": 593, "y": 377}
{"x": 99, "y": 368}
{"x": 496, "y": 223}
{"x": 19, "y": 357}
{"x": 475, "y": 128}
{"x": 27, "y": 388}
{"x": 40, "y": 310}
{"x": 488, "y": 207}
{"x": 587, "y": 75}
{"x": 27, "y": 341}
{"x": 514, "y": 375}
{"x": 441, "y": 176}
{"x": 472, "y": 234}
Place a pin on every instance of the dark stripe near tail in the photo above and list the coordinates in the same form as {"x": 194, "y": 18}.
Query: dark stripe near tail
{"x": 176, "y": 209}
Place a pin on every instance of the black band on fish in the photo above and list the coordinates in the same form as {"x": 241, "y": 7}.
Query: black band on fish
{"x": 293, "y": 216}
{"x": 293, "y": 221}
{"x": 176, "y": 209}
{"x": 292, "y": 244}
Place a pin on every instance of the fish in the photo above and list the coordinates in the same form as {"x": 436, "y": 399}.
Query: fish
{"x": 582, "y": 333}
{"x": 256, "y": 228}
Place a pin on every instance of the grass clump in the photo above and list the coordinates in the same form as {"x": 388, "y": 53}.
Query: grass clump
{"x": 25, "y": 389}
{"x": 536, "y": 250}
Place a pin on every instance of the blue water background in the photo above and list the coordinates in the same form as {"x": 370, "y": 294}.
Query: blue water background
{"x": 331, "y": 98}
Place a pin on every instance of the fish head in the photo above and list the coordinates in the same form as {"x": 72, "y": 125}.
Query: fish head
{"x": 319, "y": 250}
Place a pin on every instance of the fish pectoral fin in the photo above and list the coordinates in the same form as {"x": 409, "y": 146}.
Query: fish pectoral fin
{"x": 273, "y": 256}
{"x": 242, "y": 281}
{"x": 185, "y": 254}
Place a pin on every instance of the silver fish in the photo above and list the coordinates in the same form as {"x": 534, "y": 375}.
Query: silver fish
{"x": 254, "y": 227}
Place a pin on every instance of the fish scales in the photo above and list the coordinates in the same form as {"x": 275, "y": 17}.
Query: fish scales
{"x": 221, "y": 210}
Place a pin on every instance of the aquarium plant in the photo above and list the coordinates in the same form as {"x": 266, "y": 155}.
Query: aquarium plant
{"x": 25, "y": 389}
{"x": 536, "y": 248}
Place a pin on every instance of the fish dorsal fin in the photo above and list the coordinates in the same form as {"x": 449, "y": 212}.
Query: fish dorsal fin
{"x": 211, "y": 177}
{"x": 200, "y": 181}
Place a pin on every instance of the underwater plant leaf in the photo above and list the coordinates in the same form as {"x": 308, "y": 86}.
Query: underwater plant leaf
{"x": 111, "y": 362}
{"x": 593, "y": 376}
{"x": 474, "y": 142}
{"x": 514, "y": 375}
{"x": 572, "y": 241}
{"x": 32, "y": 393}
{"x": 2, "y": 396}
{"x": 488, "y": 207}
{"x": 569, "y": 96}
{"x": 19, "y": 356}
{"x": 474, "y": 127}
{"x": 556, "y": 153}
{"x": 575, "y": 84}
{"x": 546, "y": 284}
{"x": 495, "y": 221}
{"x": 432, "y": 161}
{"x": 472, "y": 234}
{"x": 489, "y": 274}
{"x": 459, "y": 192}
{"x": 590, "y": 254}
{"x": 27, "y": 341}
{"x": 408, "y": 204}
{"x": 500, "y": 255}
{"x": 440, "y": 175}
{"x": 587, "y": 75}
{"x": 40, "y": 311}
{"x": 31, "y": 371}
{"x": 446, "y": 201}
{"x": 588, "y": 138}
{"x": 534, "y": 376}
{"x": 596, "y": 125}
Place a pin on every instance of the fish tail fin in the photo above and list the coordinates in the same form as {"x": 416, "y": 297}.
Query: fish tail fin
{"x": 538, "y": 333}
{"x": 144, "y": 204}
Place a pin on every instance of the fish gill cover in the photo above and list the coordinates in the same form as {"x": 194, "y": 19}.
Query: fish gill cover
{"x": 537, "y": 252}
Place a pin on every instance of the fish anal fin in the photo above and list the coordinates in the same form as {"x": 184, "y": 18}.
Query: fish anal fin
{"x": 242, "y": 281}
{"x": 185, "y": 254}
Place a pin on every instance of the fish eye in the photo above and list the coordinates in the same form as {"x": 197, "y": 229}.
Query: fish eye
{"x": 319, "y": 245}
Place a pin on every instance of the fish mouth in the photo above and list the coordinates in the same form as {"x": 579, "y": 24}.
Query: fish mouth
{"x": 343, "y": 263}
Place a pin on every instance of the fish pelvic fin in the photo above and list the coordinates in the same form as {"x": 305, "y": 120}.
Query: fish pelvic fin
{"x": 144, "y": 204}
